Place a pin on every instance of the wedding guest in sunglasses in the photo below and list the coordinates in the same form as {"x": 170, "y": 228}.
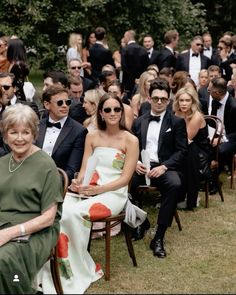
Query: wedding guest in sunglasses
{"x": 164, "y": 137}
{"x": 193, "y": 60}
{"x": 60, "y": 136}
{"x": 113, "y": 151}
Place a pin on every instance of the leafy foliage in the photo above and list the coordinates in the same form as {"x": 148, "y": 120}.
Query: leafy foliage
{"x": 45, "y": 25}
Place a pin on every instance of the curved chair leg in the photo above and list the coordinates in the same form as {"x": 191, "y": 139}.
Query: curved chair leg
{"x": 207, "y": 194}
{"x": 55, "y": 273}
{"x": 129, "y": 243}
{"x": 177, "y": 219}
{"x": 108, "y": 240}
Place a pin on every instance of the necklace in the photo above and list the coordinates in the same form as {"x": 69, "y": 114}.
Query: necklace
{"x": 13, "y": 163}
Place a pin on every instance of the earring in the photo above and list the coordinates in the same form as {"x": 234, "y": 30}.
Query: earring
{"x": 102, "y": 119}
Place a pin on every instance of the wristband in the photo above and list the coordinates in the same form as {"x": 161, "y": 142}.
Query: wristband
{"x": 22, "y": 230}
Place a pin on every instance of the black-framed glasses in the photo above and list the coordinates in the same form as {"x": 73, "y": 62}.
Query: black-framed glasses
{"x": 199, "y": 44}
{"x": 74, "y": 68}
{"x": 156, "y": 99}
{"x": 116, "y": 110}
{"x": 6, "y": 87}
{"x": 61, "y": 101}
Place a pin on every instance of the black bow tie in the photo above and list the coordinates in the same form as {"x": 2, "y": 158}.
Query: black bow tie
{"x": 195, "y": 54}
{"x": 50, "y": 124}
{"x": 206, "y": 48}
{"x": 154, "y": 118}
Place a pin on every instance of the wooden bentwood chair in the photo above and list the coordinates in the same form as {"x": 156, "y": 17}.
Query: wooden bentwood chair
{"x": 111, "y": 222}
{"x": 217, "y": 134}
{"x": 54, "y": 266}
{"x": 233, "y": 172}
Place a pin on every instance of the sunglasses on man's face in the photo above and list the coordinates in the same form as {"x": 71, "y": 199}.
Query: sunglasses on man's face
{"x": 61, "y": 101}
{"x": 74, "y": 68}
{"x": 6, "y": 87}
{"x": 116, "y": 110}
{"x": 156, "y": 99}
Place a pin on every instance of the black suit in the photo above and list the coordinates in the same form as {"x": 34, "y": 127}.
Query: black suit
{"x": 166, "y": 59}
{"x": 228, "y": 149}
{"x": 134, "y": 61}
{"x": 182, "y": 62}
{"x": 172, "y": 150}
{"x": 153, "y": 59}
{"x": 99, "y": 56}
{"x": 69, "y": 147}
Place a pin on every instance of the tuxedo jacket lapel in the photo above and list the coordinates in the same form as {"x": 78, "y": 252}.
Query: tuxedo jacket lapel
{"x": 64, "y": 132}
{"x": 144, "y": 129}
{"x": 42, "y": 131}
{"x": 164, "y": 127}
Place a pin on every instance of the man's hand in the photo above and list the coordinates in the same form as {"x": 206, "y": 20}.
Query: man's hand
{"x": 157, "y": 171}
{"x": 140, "y": 168}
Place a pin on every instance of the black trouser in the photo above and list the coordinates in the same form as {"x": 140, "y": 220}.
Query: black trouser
{"x": 170, "y": 187}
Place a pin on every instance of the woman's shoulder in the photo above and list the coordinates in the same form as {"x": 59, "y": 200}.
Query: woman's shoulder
{"x": 130, "y": 138}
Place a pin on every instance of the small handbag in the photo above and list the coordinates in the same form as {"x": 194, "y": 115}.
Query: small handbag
{"x": 204, "y": 169}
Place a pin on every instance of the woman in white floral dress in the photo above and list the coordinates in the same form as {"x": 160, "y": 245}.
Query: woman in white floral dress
{"x": 114, "y": 152}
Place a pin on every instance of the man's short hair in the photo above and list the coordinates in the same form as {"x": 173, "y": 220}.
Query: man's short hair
{"x": 57, "y": 76}
{"x": 160, "y": 84}
{"x": 53, "y": 90}
{"x": 100, "y": 33}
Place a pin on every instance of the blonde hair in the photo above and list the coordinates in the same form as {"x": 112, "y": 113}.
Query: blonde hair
{"x": 73, "y": 42}
{"x": 19, "y": 114}
{"x": 195, "y": 101}
{"x": 142, "y": 92}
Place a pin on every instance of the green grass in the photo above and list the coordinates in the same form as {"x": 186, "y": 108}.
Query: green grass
{"x": 200, "y": 259}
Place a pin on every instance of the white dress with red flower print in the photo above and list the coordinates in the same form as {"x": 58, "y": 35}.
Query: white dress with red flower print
{"x": 77, "y": 268}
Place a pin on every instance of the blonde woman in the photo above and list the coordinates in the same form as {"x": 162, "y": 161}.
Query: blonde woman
{"x": 91, "y": 100}
{"x": 142, "y": 94}
{"x": 75, "y": 51}
{"x": 186, "y": 105}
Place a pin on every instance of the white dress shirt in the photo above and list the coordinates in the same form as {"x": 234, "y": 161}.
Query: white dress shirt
{"x": 51, "y": 136}
{"x": 194, "y": 67}
{"x": 153, "y": 138}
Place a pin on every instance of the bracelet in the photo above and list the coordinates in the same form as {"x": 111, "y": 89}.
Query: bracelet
{"x": 22, "y": 230}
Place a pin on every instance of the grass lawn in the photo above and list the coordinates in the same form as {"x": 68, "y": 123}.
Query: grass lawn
{"x": 200, "y": 259}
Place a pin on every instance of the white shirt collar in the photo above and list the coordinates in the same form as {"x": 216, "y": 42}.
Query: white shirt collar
{"x": 131, "y": 41}
{"x": 13, "y": 100}
{"x": 168, "y": 47}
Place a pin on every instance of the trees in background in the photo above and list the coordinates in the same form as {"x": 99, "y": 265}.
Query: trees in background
{"x": 45, "y": 25}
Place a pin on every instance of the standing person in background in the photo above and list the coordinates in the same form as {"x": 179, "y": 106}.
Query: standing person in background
{"x": 193, "y": 60}
{"x": 31, "y": 197}
{"x": 75, "y": 48}
{"x": 117, "y": 59}
{"x": 16, "y": 55}
{"x": 134, "y": 61}
{"x": 208, "y": 50}
{"x": 148, "y": 44}
{"x": 167, "y": 56}
{"x": 4, "y": 63}
{"x": 90, "y": 41}
{"x": 99, "y": 54}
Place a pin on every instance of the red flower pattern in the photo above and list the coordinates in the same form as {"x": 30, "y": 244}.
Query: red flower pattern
{"x": 98, "y": 211}
{"x": 62, "y": 246}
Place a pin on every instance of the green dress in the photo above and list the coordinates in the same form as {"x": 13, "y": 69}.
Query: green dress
{"x": 24, "y": 194}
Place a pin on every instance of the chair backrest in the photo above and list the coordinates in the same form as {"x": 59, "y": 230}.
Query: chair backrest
{"x": 65, "y": 180}
{"x": 217, "y": 128}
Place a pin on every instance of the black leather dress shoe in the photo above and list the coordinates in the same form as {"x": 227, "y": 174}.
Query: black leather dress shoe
{"x": 158, "y": 248}
{"x": 139, "y": 232}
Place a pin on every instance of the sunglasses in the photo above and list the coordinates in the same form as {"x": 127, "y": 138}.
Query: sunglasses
{"x": 6, "y": 87}
{"x": 61, "y": 101}
{"x": 156, "y": 99}
{"x": 74, "y": 68}
{"x": 199, "y": 44}
{"x": 220, "y": 48}
{"x": 116, "y": 110}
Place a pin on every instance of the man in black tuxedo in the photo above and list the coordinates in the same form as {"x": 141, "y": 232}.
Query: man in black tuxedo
{"x": 99, "y": 55}
{"x": 164, "y": 137}
{"x": 60, "y": 136}
{"x": 193, "y": 60}
{"x": 134, "y": 61}
{"x": 223, "y": 105}
{"x": 208, "y": 50}
{"x": 148, "y": 44}
{"x": 167, "y": 56}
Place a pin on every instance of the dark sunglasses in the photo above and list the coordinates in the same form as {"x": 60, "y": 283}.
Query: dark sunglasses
{"x": 116, "y": 110}
{"x": 61, "y": 101}
{"x": 74, "y": 68}
{"x": 199, "y": 44}
{"x": 220, "y": 48}
{"x": 6, "y": 87}
{"x": 156, "y": 99}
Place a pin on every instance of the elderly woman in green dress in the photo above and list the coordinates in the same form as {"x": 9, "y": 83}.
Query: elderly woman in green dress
{"x": 30, "y": 194}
